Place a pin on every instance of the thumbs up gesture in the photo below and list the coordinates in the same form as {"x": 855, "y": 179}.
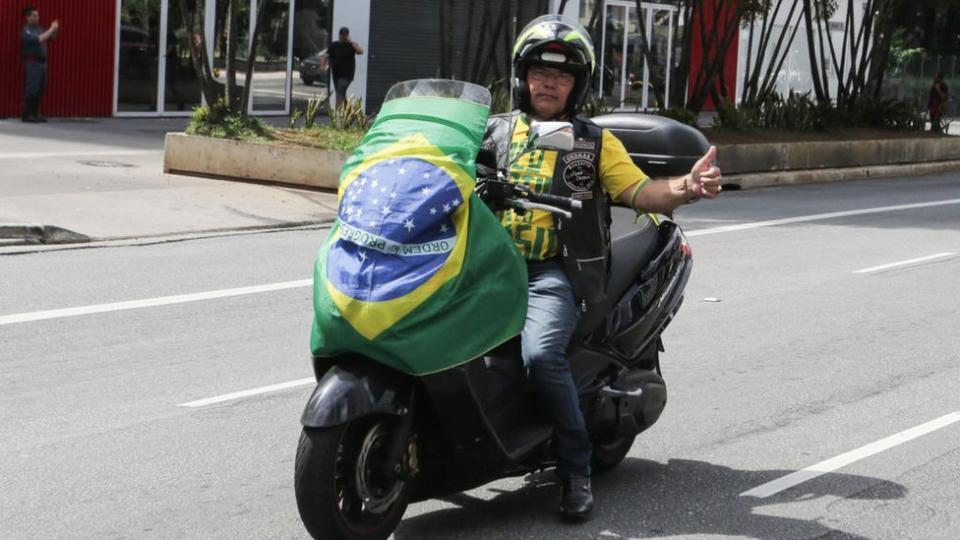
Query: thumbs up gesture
{"x": 705, "y": 178}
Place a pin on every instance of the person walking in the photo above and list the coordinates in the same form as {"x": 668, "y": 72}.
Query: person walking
{"x": 33, "y": 42}
{"x": 938, "y": 96}
{"x": 343, "y": 64}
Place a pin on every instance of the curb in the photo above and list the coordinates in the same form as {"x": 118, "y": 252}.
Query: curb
{"x": 816, "y": 176}
{"x": 18, "y": 248}
{"x": 296, "y": 166}
{"x": 27, "y": 233}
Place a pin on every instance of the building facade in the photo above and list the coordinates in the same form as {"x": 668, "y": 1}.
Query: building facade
{"x": 132, "y": 57}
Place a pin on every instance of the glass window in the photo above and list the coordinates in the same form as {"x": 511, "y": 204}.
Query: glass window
{"x": 181, "y": 87}
{"x": 311, "y": 35}
{"x": 138, "y": 56}
{"x": 270, "y": 73}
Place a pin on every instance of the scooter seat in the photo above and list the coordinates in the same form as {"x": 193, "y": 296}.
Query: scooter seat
{"x": 633, "y": 245}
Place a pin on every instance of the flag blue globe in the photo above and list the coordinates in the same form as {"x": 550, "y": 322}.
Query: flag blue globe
{"x": 396, "y": 229}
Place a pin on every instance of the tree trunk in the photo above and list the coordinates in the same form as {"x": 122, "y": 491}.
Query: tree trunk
{"x": 252, "y": 58}
{"x": 653, "y": 66}
{"x": 445, "y": 41}
{"x": 198, "y": 51}
{"x": 231, "y": 67}
{"x": 812, "y": 51}
{"x": 478, "y": 57}
{"x": 468, "y": 39}
{"x": 715, "y": 66}
{"x": 778, "y": 58}
{"x": 681, "y": 90}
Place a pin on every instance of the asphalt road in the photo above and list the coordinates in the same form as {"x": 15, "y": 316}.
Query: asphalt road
{"x": 782, "y": 358}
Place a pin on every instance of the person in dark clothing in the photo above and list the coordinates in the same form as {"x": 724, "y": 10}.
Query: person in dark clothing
{"x": 33, "y": 42}
{"x": 342, "y": 54}
{"x": 554, "y": 61}
{"x": 938, "y": 96}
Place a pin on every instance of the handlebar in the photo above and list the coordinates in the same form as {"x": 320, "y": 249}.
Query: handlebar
{"x": 554, "y": 200}
{"x": 493, "y": 189}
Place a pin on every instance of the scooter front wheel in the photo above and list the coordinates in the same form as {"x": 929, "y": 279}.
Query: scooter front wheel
{"x": 341, "y": 489}
{"x": 608, "y": 453}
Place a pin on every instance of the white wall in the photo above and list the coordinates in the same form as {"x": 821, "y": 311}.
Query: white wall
{"x": 355, "y": 15}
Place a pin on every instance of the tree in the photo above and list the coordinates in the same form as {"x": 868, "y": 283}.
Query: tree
{"x": 715, "y": 40}
{"x": 760, "y": 78}
{"x": 213, "y": 91}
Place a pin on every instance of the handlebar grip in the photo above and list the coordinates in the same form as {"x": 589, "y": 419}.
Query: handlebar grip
{"x": 554, "y": 200}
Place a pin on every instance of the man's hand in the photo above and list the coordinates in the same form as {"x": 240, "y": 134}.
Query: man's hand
{"x": 55, "y": 26}
{"x": 705, "y": 178}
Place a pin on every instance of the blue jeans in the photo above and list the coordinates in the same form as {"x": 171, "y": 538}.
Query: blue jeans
{"x": 552, "y": 315}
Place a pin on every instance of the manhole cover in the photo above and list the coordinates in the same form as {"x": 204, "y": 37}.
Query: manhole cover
{"x": 108, "y": 164}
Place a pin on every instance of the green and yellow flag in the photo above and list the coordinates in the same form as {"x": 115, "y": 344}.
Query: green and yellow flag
{"x": 417, "y": 273}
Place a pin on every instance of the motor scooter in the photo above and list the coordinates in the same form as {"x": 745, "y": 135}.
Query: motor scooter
{"x": 375, "y": 439}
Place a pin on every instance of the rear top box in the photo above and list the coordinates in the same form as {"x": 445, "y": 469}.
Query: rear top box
{"x": 660, "y": 146}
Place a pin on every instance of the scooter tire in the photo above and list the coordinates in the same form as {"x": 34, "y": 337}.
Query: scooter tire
{"x": 315, "y": 486}
{"x": 608, "y": 453}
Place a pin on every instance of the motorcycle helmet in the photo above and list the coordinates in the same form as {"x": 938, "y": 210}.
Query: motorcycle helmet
{"x": 554, "y": 41}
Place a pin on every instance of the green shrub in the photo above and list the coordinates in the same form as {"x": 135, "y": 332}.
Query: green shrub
{"x": 680, "y": 115}
{"x": 596, "y": 106}
{"x": 799, "y": 112}
{"x": 217, "y": 121}
{"x": 350, "y": 115}
{"x": 314, "y": 107}
{"x": 499, "y": 98}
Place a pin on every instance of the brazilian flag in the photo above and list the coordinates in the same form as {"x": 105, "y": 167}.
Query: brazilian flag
{"x": 417, "y": 273}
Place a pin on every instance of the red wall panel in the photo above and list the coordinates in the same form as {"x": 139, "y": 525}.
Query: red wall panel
{"x": 726, "y": 84}
{"x": 81, "y": 59}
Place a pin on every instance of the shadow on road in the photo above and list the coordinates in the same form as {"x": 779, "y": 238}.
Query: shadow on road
{"x": 646, "y": 499}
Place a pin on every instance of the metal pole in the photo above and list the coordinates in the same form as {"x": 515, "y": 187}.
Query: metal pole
{"x": 513, "y": 39}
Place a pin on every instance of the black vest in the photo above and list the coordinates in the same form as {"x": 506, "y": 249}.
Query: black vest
{"x": 585, "y": 238}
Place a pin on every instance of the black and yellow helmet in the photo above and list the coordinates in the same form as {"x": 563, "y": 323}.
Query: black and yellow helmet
{"x": 557, "y": 42}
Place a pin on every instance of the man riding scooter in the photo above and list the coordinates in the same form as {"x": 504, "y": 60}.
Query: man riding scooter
{"x": 568, "y": 259}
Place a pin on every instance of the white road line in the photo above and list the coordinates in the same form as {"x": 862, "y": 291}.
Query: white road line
{"x": 911, "y": 262}
{"x": 88, "y": 153}
{"x": 179, "y": 299}
{"x": 150, "y": 302}
{"x": 246, "y": 393}
{"x": 830, "y": 465}
{"x": 818, "y": 217}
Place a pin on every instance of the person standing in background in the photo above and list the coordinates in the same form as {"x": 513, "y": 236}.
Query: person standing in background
{"x": 33, "y": 42}
{"x": 343, "y": 63}
{"x": 938, "y": 96}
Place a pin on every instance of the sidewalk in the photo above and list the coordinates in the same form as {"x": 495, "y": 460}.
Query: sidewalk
{"x": 103, "y": 179}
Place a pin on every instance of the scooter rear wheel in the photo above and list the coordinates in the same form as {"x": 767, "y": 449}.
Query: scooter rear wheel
{"x": 341, "y": 492}
{"x": 608, "y": 453}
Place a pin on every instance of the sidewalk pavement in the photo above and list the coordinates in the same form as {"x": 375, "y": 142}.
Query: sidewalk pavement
{"x": 102, "y": 179}
{"x": 82, "y": 180}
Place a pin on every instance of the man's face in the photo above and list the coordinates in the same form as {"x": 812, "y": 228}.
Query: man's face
{"x": 549, "y": 90}
{"x": 33, "y": 19}
{"x": 344, "y": 36}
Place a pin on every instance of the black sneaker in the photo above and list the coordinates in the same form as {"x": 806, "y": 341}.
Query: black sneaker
{"x": 576, "y": 499}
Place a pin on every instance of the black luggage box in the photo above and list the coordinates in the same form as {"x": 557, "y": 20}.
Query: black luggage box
{"x": 660, "y": 146}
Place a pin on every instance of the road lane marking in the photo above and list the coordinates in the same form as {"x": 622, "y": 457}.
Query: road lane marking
{"x": 167, "y": 300}
{"x": 87, "y": 153}
{"x": 252, "y": 392}
{"x": 832, "y": 464}
{"x": 150, "y": 302}
{"x": 818, "y": 217}
{"x": 911, "y": 262}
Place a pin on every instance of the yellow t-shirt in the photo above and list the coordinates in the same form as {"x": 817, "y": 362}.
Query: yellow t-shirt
{"x": 534, "y": 232}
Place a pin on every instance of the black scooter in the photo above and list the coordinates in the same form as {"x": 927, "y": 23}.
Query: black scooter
{"x": 375, "y": 440}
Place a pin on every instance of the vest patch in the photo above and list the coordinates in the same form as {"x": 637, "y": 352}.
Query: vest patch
{"x": 584, "y": 144}
{"x": 579, "y": 173}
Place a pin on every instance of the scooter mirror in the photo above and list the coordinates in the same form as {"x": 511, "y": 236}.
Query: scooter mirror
{"x": 551, "y": 136}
